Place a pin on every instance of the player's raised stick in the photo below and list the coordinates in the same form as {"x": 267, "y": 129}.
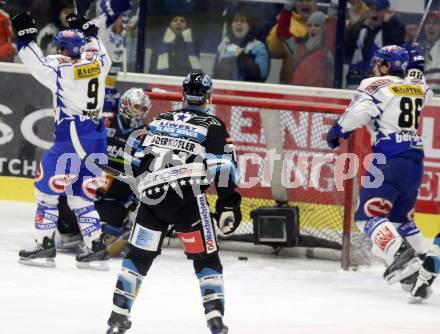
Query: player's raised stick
{"x": 420, "y": 27}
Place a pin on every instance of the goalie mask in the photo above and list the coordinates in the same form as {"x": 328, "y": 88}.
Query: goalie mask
{"x": 134, "y": 106}
{"x": 197, "y": 88}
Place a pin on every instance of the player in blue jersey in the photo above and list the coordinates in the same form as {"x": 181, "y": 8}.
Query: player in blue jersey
{"x": 390, "y": 104}
{"x": 115, "y": 202}
{"x": 76, "y": 78}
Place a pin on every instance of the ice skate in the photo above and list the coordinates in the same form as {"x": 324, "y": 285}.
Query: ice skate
{"x": 404, "y": 265}
{"x": 118, "y": 323}
{"x": 95, "y": 258}
{"x": 422, "y": 289}
{"x": 39, "y": 255}
{"x": 216, "y": 326}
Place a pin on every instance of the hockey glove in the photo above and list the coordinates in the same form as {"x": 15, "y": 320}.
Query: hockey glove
{"x": 334, "y": 134}
{"x": 422, "y": 288}
{"x": 228, "y": 214}
{"x": 82, "y": 23}
{"x": 114, "y": 7}
{"x": 24, "y": 25}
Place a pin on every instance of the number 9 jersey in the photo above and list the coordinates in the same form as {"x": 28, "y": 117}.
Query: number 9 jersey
{"x": 390, "y": 107}
{"x": 77, "y": 85}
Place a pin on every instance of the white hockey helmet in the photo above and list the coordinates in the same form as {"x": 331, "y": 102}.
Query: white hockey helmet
{"x": 134, "y": 104}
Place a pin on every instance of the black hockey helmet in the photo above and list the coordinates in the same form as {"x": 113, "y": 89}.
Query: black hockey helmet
{"x": 197, "y": 88}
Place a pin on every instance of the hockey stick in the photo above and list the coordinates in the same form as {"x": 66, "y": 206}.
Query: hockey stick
{"x": 75, "y": 7}
{"x": 420, "y": 27}
{"x": 85, "y": 157}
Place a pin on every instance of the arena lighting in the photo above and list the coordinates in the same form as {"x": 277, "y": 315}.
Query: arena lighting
{"x": 276, "y": 226}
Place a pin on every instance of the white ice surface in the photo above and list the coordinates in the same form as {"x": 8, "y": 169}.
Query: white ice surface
{"x": 263, "y": 295}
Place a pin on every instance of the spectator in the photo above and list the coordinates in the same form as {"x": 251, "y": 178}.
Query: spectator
{"x": 59, "y": 22}
{"x": 176, "y": 54}
{"x": 314, "y": 62}
{"x": 240, "y": 55}
{"x": 7, "y": 50}
{"x": 432, "y": 69}
{"x": 357, "y": 12}
{"x": 381, "y": 27}
{"x": 290, "y": 29}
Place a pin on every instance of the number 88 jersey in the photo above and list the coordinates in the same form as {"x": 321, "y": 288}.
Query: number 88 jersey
{"x": 390, "y": 106}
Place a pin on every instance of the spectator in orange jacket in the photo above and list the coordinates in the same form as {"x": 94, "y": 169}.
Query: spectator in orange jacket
{"x": 314, "y": 62}
{"x": 7, "y": 50}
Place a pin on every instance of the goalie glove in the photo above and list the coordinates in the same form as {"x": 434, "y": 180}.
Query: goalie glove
{"x": 228, "y": 214}
{"x": 25, "y": 26}
{"x": 82, "y": 23}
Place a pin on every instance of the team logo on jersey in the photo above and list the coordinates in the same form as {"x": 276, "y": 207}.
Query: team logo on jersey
{"x": 59, "y": 183}
{"x": 406, "y": 90}
{"x": 91, "y": 185}
{"x": 87, "y": 71}
{"x": 182, "y": 117}
{"x": 378, "y": 207}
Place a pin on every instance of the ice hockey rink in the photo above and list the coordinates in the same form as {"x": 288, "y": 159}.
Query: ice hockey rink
{"x": 265, "y": 294}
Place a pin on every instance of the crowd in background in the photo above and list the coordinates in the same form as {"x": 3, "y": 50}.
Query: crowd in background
{"x": 242, "y": 40}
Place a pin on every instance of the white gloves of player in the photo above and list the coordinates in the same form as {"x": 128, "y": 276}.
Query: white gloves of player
{"x": 226, "y": 221}
{"x": 228, "y": 215}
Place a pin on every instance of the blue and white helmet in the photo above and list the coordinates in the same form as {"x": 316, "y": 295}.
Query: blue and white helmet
{"x": 397, "y": 56}
{"x": 71, "y": 40}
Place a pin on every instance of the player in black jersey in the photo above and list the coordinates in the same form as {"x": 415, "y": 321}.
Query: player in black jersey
{"x": 115, "y": 201}
{"x": 184, "y": 151}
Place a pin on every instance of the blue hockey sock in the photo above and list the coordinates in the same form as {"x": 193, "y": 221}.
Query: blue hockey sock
{"x": 211, "y": 288}
{"x": 127, "y": 286}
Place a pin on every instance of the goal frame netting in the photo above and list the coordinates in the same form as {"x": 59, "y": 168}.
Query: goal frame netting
{"x": 270, "y": 104}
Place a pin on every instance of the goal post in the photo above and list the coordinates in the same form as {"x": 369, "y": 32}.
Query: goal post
{"x": 295, "y": 130}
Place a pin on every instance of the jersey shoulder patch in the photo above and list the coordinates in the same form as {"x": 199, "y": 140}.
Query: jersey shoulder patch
{"x": 372, "y": 85}
{"x": 56, "y": 60}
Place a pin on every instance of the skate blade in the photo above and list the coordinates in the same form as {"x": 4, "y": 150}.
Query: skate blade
{"x": 94, "y": 265}
{"x": 398, "y": 275}
{"x": 39, "y": 262}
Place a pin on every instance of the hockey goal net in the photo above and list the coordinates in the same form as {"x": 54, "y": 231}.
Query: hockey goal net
{"x": 306, "y": 174}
